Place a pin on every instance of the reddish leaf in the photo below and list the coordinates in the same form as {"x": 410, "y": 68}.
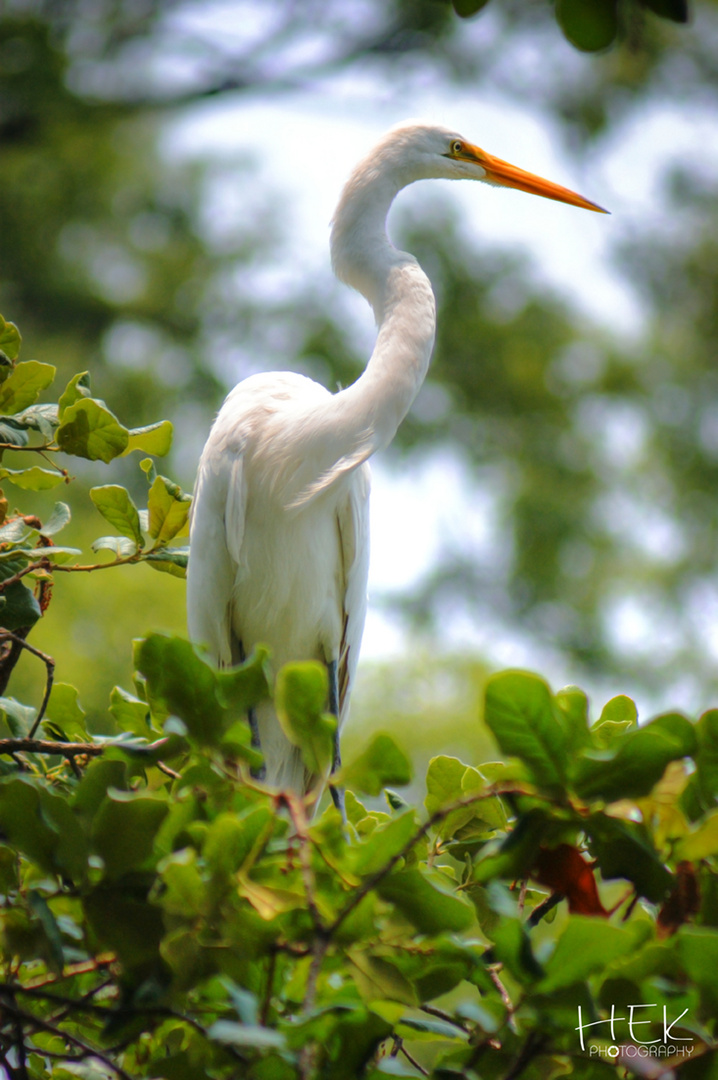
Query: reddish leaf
{"x": 682, "y": 903}
{"x": 563, "y": 869}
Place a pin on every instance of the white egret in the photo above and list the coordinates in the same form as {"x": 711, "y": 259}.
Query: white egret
{"x": 279, "y": 535}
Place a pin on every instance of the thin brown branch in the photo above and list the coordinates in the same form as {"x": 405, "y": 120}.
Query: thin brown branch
{"x": 446, "y": 1017}
{"x": 297, "y": 813}
{"x": 29, "y": 569}
{"x": 48, "y": 746}
{"x": 85, "y": 967}
{"x": 52, "y": 447}
{"x": 71, "y": 749}
{"x": 413, "y": 1061}
{"x": 7, "y": 635}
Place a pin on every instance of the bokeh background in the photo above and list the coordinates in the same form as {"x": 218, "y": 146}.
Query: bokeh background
{"x": 167, "y": 174}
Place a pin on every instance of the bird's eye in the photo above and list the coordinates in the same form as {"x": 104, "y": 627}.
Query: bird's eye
{"x": 457, "y": 146}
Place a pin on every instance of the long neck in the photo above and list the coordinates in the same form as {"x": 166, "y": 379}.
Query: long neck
{"x": 403, "y": 302}
{"x": 363, "y": 418}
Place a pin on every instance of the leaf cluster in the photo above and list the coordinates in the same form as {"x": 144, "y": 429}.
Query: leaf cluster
{"x": 166, "y": 915}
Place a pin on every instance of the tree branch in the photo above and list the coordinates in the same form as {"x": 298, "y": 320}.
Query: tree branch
{"x": 7, "y": 635}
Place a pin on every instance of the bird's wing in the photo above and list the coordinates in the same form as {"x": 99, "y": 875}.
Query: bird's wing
{"x": 353, "y": 521}
{"x": 216, "y": 533}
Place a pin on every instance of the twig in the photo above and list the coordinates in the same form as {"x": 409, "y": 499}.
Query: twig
{"x": 7, "y": 635}
{"x": 166, "y": 770}
{"x": 413, "y": 1061}
{"x": 441, "y": 1015}
{"x": 35, "y": 449}
{"x": 47, "y": 746}
{"x": 301, "y": 827}
{"x": 494, "y": 976}
{"x": 71, "y": 750}
{"x": 29, "y": 569}
{"x": 70, "y": 970}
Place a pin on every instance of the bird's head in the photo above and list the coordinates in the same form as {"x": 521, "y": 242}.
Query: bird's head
{"x": 424, "y": 151}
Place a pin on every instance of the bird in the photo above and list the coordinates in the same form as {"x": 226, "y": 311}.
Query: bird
{"x": 279, "y": 535}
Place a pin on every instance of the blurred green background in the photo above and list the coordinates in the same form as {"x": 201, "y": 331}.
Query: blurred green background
{"x": 594, "y": 444}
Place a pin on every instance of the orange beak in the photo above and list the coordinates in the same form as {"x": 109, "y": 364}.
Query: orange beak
{"x": 500, "y": 172}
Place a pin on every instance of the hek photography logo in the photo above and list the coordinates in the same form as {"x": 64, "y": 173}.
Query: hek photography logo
{"x": 666, "y": 1044}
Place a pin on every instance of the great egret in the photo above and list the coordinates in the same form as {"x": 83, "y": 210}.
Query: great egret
{"x": 279, "y": 534}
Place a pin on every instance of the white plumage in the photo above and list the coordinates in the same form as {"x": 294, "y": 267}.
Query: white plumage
{"x": 279, "y": 534}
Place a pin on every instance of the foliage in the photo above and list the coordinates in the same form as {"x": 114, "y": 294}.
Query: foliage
{"x": 167, "y": 916}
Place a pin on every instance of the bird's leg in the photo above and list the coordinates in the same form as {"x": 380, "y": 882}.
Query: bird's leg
{"x": 261, "y": 771}
{"x": 336, "y": 793}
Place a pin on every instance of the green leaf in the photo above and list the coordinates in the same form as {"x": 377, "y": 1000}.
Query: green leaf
{"x": 180, "y": 683}
{"x": 623, "y": 849}
{"x": 77, "y": 388}
{"x": 24, "y": 386}
{"x": 590, "y": 25}
{"x": 430, "y": 907}
{"x": 443, "y": 782}
{"x": 230, "y": 839}
{"x": 700, "y": 843}
{"x": 228, "y": 1031}
{"x": 634, "y": 762}
{"x": 32, "y": 479}
{"x": 701, "y": 792}
{"x": 116, "y": 506}
{"x": 697, "y": 950}
{"x": 124, "y": 829}
{"x": 13, "y": 432}
{"x": 10, "y": 339}
{"x": 18, "y": 718}
{"x": 384, "y": 843}
{"x": 300, "y": 697}
{"x": 153, "y": 439}
{"x": 586, "y": 945}
{"x": 466, "y": 8}
{"x": 42, "y": 418}
{"x": 169, "y": 560}
{"x": 40, "y": 909}
{"x": 120, "y": 545}
{"x": 42, "y": 826}
{"x": 18, "y": 606}
{"x": 572, "y": 713}
{"x": 64, "y": 712}
{"x": 521, "y": 716}
{"x": 241, "y": 688}
{"x": 618, "y": 715}
{"x": 59, "y": 518}
{"x": 129, "y": 713}
{"x": 675, "y": 10}
{"x": 378, "y": 979}
{"x": 90, "y": 430}
{"x": 168, "y": 508}
{"x": 125, "y": 921}
{"x": 382, "y": 763}
{"x": 512, "y": 946}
